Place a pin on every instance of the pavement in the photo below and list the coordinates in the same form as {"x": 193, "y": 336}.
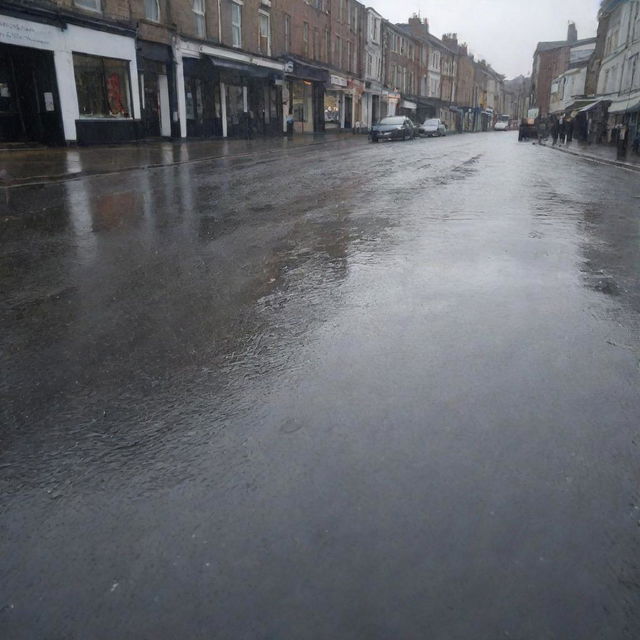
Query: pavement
{"x": 605, "y": 154}
{"x": 42, "y": 165}
{"x": 342, "y": 391}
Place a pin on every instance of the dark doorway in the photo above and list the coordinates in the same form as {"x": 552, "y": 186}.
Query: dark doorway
{"x": 29, "y": 102}
{"x": 375, "y": 109}
{"x": 348, "y": 111}
{"x": 151, "y": 111}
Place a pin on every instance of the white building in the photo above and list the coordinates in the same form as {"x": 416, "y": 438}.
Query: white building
{"x": 566, "y": 88}
{"x": 619, "y": 77}
{"x": 64, "y": 81}
{"x": 372, "y": 100}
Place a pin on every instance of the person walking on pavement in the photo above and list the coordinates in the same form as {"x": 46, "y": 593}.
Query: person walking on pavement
{"x": 562, "y": 130}
{"x": 569, "y": 130}
{"x": 555, "y": 130}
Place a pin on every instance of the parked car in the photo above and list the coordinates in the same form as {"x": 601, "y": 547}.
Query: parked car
{"x": 392, "y": 128}
{"x": 433, "y": 127}
{"x": 501, "y": 125}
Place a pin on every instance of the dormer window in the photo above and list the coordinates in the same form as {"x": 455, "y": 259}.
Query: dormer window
{"x": 90, "y": 5}
{"x": 152, "y": 10}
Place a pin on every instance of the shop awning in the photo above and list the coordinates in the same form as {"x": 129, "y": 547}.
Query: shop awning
{"x": 241, "y": 67}
{"x": 583, "y": 105}
{"x": 625, "y": 106}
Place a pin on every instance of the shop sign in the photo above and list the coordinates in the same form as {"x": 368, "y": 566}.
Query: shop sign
{"x": 338, "y": 81}
{"x": 22, "y": 33}
{"x": 48, "y": 101}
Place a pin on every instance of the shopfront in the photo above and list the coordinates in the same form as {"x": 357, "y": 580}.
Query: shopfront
{"x": 392, "y": 100}
{"x": 304, "y": 97}
{"x": 203, "y": 99}
{"x": 408, "y": 108}
{"x": 224, "y": 93}
{"x": 65, "y": 82}
{"x": 337, "y": 111}
{"x": 29, "y": 102}
{"x": 157, "y": 94}
{"x": 371, "y": 104}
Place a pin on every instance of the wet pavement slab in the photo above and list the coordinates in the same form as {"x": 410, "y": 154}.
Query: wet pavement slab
{"x": 339, "y": 391}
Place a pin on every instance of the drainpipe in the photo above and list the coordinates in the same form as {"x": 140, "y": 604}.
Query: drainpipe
{"x": 219, "y": 22}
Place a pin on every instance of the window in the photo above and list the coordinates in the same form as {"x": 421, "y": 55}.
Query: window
{"x": 369, "y": 65}
{"x": 632, "y": 72}
{"x": 152, "y": 10}
{"x": 327, "y": 45}
{"x": 92, "y": 5}
{"x": 316, "y": 43}
{"x": 305, "y": 38}
{"x": 337, "y": 58}
{"x": 349, "y": 56}
{"x": 287, "y": 32}
{"x": 102, "y": 85}
{"x": 343, "y": 10}
{"x": 354, "y": 18}
{"x": 264, "y": 43}
{"x": 376, "y": 30}
{"x": 198, "y": 11}
{"x": 236, "y": 24}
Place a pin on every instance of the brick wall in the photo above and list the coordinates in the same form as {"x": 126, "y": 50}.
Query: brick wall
{"x": 111, "y": 9}
{"x": 551, "y": 64}
{"x": 318, "y": 21}
{"x": 465, "y": 81}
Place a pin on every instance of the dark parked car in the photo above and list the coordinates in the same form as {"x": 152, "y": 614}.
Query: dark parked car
{"x": 393, "y": 128}
{"x": 433, "y": 127}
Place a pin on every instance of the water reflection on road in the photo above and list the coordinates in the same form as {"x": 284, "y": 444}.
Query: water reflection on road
{"x": 345, "y": 391}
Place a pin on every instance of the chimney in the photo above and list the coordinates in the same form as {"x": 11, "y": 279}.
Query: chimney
{"x": 451, "y": 40}
{"x": 572, "y": 33}
{"x": 417, "y": 27}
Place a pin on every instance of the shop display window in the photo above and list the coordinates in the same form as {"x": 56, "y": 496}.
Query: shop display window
{"x": 103, "y": 86}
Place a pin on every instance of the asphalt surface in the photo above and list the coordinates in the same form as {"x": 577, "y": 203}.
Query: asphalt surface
{"x": 343, "y": 391}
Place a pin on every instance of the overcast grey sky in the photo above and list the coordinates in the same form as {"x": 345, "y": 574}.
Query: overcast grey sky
{"x": 504, "y": 32}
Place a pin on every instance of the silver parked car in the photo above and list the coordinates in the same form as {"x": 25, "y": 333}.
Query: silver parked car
{"x": 433, "y": 127}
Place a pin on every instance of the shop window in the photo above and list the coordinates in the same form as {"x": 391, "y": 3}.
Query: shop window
{"x": 302, "y": 101}
{"x": 91, "y": 5}
{"x": 305, "y": 38}
{"x": 103, "y": 86}
{"x": 265, "y": 34}
{"x": 287, "y": 33}
{"x": 236, "y": 24}
{"x": 198, "y": 12}
{"x": 327, "y": 46}
{"x": 152, "y": 10}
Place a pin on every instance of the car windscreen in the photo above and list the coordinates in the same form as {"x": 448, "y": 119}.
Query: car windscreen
{"x": 434, "y": 122}
{"x": 391, "y": 121}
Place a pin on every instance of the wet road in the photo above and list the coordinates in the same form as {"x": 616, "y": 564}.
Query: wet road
{"x": 344, "y": 391}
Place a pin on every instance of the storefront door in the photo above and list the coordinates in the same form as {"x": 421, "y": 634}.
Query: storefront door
{"x": 348, "y": 112}
{"x": 151, "y": 111}
{"x": 29, "y": 104}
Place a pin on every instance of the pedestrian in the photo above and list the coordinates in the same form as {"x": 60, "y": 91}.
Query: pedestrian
{"x": 562, "y": 130}
{"x": 569, "y": 130}
{"x": 636, "y": 142}
{"x": 555, "y": 131}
